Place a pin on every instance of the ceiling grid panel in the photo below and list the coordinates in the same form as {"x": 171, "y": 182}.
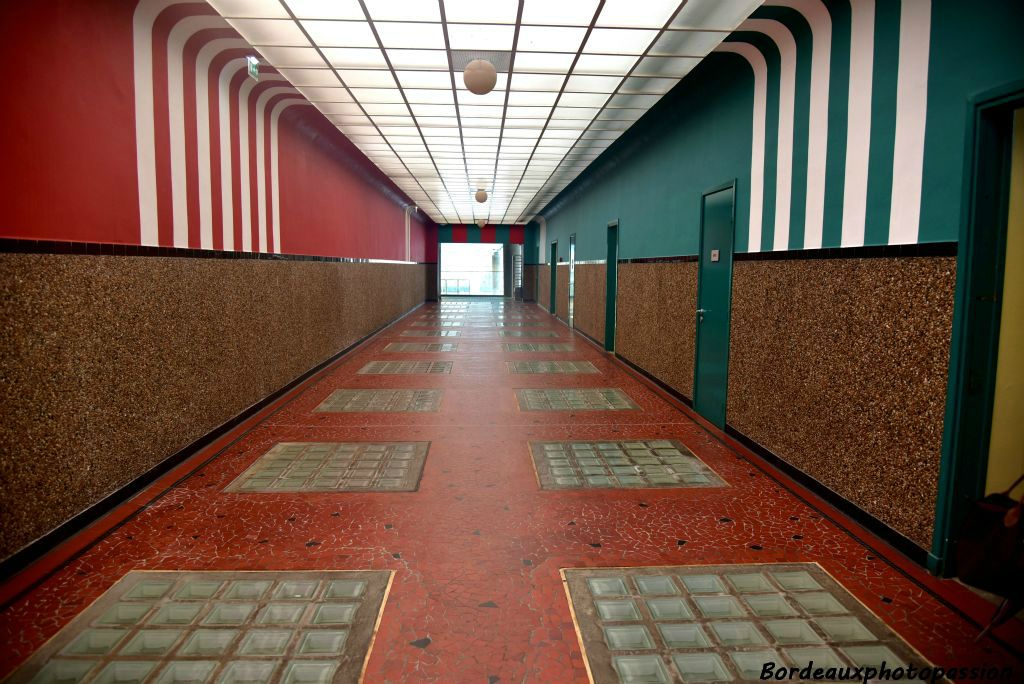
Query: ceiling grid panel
{"x": 618, "y": 86}
{"x": 568, "y": 75}
{"x": 571, "y": 78}
{"x": 341, "y": 81}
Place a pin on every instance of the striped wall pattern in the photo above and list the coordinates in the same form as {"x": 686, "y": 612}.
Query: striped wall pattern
{"x": 206, "y": 133}
{"x": 838, "y": 122}
{"x": 504, "y": 234}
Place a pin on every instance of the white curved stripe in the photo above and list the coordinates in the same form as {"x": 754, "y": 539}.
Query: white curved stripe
{"x": 760, "y": 69}
{"x": 911, "y": 111}
{"x": 784, "y": 41}
{"x": 243, "y": 161}
{"x": 203, "y": 123}
{"x": 858, "y": 125}
{"x": 275, "y": 187}
{"x": 261, "y": 160}
{"x": 182, "y": 31}
{"x": 820, "y": 21}
{"x": 226, "y": 186}
{"x": 145, "y": 129}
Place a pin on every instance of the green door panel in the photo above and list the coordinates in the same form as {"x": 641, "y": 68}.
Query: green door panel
{"x": 714, "y": 291}
{"x": 611, "y": 285}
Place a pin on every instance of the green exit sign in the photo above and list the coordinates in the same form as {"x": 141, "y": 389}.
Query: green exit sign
{"x": 254, "y": 67}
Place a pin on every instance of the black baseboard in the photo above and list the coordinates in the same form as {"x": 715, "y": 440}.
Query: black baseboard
{"x": 35, "y": 550}
{"x": 924, "y": 249}
{"x": 851, "y": 510}
{"x": 595, "y": 342}
{"x": 676, "y": 394}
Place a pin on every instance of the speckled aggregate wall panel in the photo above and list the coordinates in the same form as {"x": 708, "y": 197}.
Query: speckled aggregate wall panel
{"x": 655, "y": 320}
{"x": 562, "y": 292}
{"x": 544, "y": 286}
{"x": 856, "y": 350}
{"x": 108, "y": 365}
{"x": 430, "y": 281}
{"x": 530, "y": 282}
{"x": 588, "y": 313}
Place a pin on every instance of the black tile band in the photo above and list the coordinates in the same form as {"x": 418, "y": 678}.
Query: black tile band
{"x": 18, "y": 246}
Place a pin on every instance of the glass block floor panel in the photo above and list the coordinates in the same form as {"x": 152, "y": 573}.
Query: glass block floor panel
{"x": 536, "y": 347}
{"x": 700, "y": 623}
{"x": 335, "y": 467}
{"x": 647, "y": 464}
{"x": 406, "y": 367}
{"x": 422, "y": 347}
{"x": 551, "y": 367}
{"x": 384, "y": 401}
{"x": 432, "y": 332}
{"x": 598, "y": 399}
{"x": 527, "y": 333}
{"x": 242, "y": 627}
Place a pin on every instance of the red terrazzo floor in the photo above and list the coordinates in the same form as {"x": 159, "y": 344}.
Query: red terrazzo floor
{"x": 477, "y": 550}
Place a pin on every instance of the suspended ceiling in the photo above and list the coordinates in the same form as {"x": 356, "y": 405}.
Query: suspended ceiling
{"x": 388, "y": 74}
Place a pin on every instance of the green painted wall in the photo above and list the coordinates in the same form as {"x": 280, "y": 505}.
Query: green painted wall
{"x": 697, "y": 136}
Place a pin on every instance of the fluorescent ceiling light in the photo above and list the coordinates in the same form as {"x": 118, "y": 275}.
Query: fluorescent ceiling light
{"x": 568, "y": 98}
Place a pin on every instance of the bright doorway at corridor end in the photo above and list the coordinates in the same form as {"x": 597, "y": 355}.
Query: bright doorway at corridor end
{"x": 473, "y": 269}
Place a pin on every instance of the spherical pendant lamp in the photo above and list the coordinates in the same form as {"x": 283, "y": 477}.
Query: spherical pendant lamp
{"x": 480, "y": 77}
{"x": 481, "y": 195}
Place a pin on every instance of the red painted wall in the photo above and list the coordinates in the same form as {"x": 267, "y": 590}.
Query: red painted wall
{"x": 66, "y": 125}
{"x": 69, "y": 145}
{"x": 341, "y": 212}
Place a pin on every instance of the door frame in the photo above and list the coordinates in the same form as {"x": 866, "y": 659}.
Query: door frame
{"x": 974, "y": 340}
{"x": 728, "y": 319}
{"x": 611, "y": 285}
{"x": 552, "y": 301}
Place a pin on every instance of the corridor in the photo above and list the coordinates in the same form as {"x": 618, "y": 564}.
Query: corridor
{"x": 476, "y": 493}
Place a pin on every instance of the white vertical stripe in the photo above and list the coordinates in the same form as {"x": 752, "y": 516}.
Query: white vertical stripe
{"x": 226, "y": 177}
{"x": 858, "y": 126}
{"x": 203, "y": 123}
{"x": 275, "y": 187}
{"x": 243, "y": 161}
{"x": 261, "y": 160}
{"x": 911, "y": 111}
{"x": 145, "y": 134}
{"x": 408, "y": 231}
{"x": 820, "y": 21}
{"x": 783, "y": 39}
{"x": 760, "y": 69}
{"x": 182, "y": 31}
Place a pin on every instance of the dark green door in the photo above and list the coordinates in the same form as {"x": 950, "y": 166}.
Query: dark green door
{"x": 714, "y": 288}
{"x": 611, "y": 285}
{"x": 554, "y": 272}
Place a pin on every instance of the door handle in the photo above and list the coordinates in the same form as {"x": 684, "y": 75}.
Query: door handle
{"x": 700, "y": 314}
